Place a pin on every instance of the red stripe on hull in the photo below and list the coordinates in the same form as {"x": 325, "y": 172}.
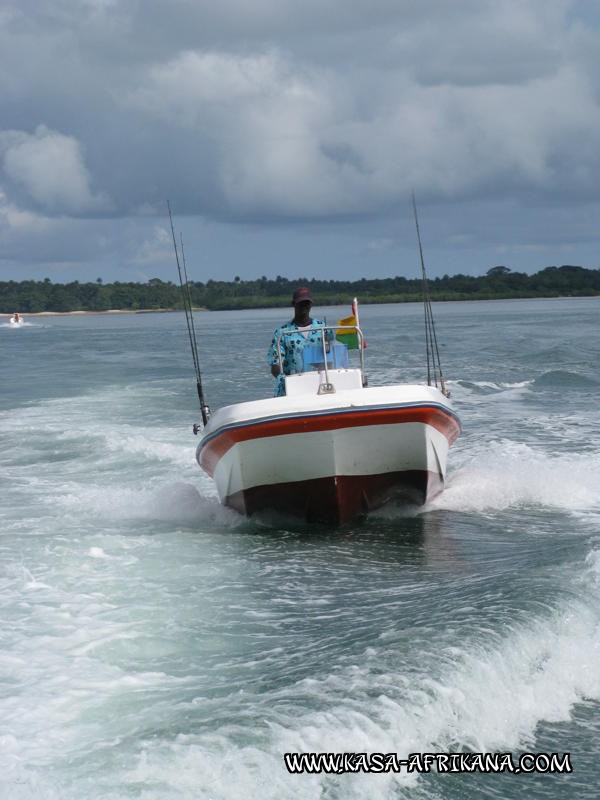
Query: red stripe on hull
{"x": 336, "y": 500}
{"x": 214, "y": 449}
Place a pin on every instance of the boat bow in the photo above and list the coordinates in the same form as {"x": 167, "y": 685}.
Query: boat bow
{"x": 330, "y": 456}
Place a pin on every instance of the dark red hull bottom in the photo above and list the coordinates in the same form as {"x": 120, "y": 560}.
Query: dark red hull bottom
{"x": 338, "y": 499}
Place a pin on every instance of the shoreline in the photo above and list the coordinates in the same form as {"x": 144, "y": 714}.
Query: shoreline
{"x": 113, "y": 311}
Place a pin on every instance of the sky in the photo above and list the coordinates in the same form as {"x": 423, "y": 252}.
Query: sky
{"x": 288, "y": 136}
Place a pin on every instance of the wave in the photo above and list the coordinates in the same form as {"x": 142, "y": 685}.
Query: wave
{"x": 505, "y": 474}
{"x": 178, "y": 503}
{"x": 134, "y": 444}
{"x": 490, "y": 387}
{"x": 486, "y": 695}
{"x": 552, "y": 379}
{"x": 565, "y": 379}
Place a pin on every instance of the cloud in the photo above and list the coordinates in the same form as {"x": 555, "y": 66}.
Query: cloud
{"x": 156, "y": 249}
{"x": 258, "y": 117}
{"x": 299, "y": 116}
{"x": 291, "y": 142}
{"x": 49, "y": 167}
{"x": 485, "y": 44}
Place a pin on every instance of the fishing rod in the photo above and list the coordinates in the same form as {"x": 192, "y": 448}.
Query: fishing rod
{"x": 434, "y": 364}
{"x": 189, "y": 319}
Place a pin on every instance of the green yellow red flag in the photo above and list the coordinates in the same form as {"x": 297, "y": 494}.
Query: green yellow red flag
{"x": 349, "y": 337}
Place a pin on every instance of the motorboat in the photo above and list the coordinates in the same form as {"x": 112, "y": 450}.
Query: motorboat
{"x": 330, "y": 447}
{"x": 333, "y": 447}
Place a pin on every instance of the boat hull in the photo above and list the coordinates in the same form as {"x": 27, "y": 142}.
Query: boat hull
{"x": 338, "y": 499}
{"x": 335, "y": 460}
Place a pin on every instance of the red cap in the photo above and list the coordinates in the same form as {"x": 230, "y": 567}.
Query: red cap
{"x": 301, "y": 295}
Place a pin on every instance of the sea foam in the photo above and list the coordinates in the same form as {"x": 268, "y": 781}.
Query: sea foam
{"x": 505, "y": 474}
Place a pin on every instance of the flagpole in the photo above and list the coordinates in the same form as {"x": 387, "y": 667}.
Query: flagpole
{"x": 355, "y": 311}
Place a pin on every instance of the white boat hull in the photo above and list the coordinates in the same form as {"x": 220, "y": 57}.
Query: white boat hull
{"x": 330, "y": 457}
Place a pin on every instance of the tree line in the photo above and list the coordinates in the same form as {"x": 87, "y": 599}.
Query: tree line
{"x": 498, "y": 283}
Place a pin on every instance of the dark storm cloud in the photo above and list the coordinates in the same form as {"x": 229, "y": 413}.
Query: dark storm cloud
{"x": 286, "y": 115}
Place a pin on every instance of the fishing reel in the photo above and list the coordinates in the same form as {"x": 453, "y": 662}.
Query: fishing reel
{"x": 197, "y": 426}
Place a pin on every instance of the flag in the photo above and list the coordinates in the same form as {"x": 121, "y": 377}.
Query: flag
{"x": 349, "y": 338}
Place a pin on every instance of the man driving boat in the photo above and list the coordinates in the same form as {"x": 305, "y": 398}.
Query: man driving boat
{"x": 293, "y": 341}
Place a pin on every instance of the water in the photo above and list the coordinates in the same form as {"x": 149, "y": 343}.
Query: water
{"x": 155, "y": 645}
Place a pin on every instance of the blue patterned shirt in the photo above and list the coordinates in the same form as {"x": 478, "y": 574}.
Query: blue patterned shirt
{"x": 292, "y": 345}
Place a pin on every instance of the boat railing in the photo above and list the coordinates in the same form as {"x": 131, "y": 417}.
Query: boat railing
{"x": 334, "y": 353}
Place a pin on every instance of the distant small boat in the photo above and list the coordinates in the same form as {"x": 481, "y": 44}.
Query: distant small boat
{"x": 16, "y": 320}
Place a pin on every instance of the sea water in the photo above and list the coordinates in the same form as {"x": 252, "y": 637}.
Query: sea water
{"x": 156, "y": 645}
